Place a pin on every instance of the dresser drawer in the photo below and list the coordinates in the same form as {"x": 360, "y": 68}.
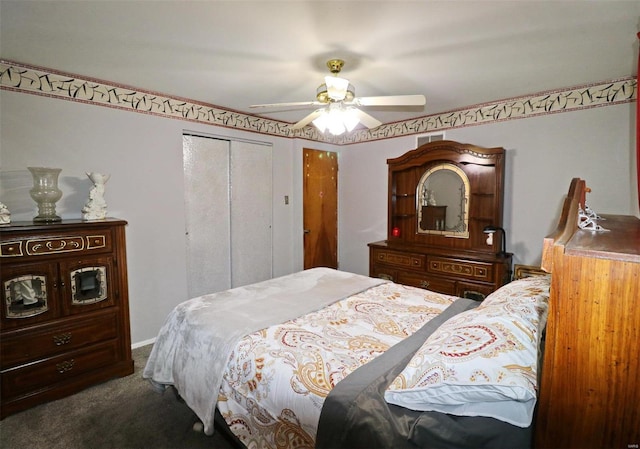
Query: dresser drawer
{"x": 49, "y": 372}
{"x": 399, "y": 259}
{"x": 55, "y": 340}
{"x": 472, "y": 290}
{"x": 383, "y": 272}
{"x": 435, "y": 284}
{"x": 78, "y": 242}
{"x": 461, "y": 268}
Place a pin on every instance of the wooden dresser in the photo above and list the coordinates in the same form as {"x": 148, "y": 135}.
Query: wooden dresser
{"x": 64, "y": 321}
{"x": 590, "y": 388}
{"x": 466, "y": 275}
{"x": 442, "y": 196}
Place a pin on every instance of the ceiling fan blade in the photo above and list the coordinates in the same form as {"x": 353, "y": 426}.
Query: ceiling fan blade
{"x": 392, "y": 100}
{"x": 278, "y": 105}
{"x": 308, "y": 119}
{"x": 366, "y": 119}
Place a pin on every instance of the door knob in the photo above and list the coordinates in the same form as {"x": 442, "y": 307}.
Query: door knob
{"x": 307, "y": 231}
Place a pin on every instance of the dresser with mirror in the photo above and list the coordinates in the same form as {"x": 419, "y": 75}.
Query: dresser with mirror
{"x": 444, "y": 227}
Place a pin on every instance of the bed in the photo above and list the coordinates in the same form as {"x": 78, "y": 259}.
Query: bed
{"x": 324, "y": 358}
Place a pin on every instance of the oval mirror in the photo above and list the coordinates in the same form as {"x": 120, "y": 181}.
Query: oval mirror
{"x": 442, "y": 201}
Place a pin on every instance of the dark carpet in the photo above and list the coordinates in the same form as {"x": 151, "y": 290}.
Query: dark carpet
{"x": 123, "y": 413}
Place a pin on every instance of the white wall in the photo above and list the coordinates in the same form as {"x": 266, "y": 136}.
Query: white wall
{"x": 143, "y": 154}
{"x": 543, "y": 155}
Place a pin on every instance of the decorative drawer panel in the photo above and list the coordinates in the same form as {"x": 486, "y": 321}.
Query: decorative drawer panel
{"x": 51, "y": 371}
{"x": 11, "y": 249}
{"x": 20, "y": 348}
{"x": 461, "y": 268}
{"x": 435, "y": 284}
{"x": 404, "y": 260}
{"x": 54, "y": 245}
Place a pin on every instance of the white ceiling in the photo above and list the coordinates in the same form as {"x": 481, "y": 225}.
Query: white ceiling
{"x": 233, "y": 54}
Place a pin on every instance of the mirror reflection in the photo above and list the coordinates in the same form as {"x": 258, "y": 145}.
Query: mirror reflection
{"x": 442, "y": 201}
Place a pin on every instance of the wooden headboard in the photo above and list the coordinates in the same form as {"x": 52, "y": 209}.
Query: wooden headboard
{"x": 568, "y": 223}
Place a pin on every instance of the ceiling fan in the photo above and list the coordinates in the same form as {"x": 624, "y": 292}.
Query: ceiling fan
{"x": 340, "y": 107}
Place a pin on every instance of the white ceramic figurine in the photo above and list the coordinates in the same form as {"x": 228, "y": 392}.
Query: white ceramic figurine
{"x": 96, "y": 207}
{"x": 5, "y": 215}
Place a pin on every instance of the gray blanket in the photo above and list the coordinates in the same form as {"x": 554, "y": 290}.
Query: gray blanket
{"x": 356, "y": 415}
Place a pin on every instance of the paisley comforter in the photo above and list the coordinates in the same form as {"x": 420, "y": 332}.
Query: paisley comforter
{"x": 277, "y": 378}
{"x": 268, "y": 354}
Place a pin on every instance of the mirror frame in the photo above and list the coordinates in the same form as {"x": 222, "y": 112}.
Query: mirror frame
{"x": 463, "y": 223}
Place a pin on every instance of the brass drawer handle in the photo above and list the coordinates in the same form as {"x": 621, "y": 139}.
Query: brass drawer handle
{"x": 424, "y": 284}
{"x": 65, "y": 366}
{"x": 62, "y": 339}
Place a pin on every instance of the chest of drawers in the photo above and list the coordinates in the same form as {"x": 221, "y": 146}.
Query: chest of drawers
{"x": 472, "y": 276}
{"x": 589, "y": 391}
{"x": 64, "y": 318}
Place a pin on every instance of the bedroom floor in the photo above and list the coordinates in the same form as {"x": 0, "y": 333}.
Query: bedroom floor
{"x": 123, "y": 413}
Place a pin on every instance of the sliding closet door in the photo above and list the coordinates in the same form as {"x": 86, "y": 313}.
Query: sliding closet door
{"x": 207, "y": 208}
{"x": 228, "y": 213}
{"x": 251, "y": 213}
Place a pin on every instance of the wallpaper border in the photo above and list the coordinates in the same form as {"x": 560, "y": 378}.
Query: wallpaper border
{"x": 50, "y": 83}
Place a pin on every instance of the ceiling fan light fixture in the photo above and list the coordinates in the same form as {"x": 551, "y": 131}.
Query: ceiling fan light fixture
{"x": 337, "y": 120}
{"x": 321, "y": 122}
{"x": 336, "y": 128}
{"x": 350, "y": 119}
{"x": 336, "y": 87}
{"x": 322, "y": 94}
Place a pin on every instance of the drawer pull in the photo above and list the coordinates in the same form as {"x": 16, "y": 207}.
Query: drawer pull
{"x": 62, "y": 339}
{"x": 424, "y": 284}
{"x": 11, "y": 249}
{"x": 65, "y": 366}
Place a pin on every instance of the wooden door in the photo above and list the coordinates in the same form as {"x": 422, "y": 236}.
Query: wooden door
{"x": 320, "y": 204}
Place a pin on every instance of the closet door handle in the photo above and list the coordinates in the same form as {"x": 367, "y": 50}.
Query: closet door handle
{"x": 307, "y": 231}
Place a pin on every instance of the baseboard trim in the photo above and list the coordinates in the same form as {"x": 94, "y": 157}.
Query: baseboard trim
{"x": 143, "y": 343}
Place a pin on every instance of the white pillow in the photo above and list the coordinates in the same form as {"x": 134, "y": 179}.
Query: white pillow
{"x": 482, "y": 362}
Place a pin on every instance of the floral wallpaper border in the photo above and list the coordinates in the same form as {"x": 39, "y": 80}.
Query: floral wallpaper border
{"x": 41, "y": 81}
